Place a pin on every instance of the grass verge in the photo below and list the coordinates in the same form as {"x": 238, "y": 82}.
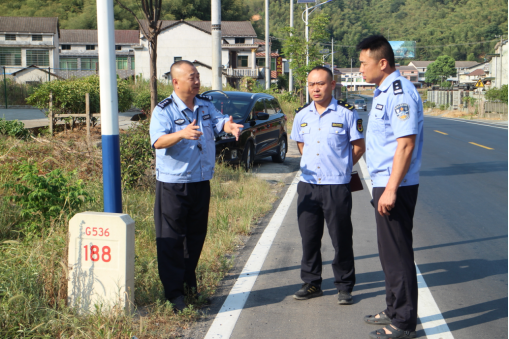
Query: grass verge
{"x": 33, "y": 264}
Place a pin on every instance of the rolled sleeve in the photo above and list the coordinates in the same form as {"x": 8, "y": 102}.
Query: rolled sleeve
{"x": 160, "y": 125}
{"x": 296, "y": 136}
{"x": 404, "y": 115}
{"x": 352, "y": 120}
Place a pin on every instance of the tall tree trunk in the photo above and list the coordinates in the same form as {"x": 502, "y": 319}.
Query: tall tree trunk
{"x": 153, "y": 71}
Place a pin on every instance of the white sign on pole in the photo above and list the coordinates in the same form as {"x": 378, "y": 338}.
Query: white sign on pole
{"x": 101, "y": 261}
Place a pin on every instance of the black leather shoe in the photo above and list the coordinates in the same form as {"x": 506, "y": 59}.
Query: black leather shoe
{"x": 344, "y": 298}
{"x": 308, "y": 291}
{"x": 178, "y": 303}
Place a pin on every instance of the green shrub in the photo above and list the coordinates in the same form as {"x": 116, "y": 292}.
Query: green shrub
{"x": 14, "y": 128}
{"x": 69, "y": 95}
{"x": 497, "y": 94}
{"x": 429, "y": 104}
{"x": 136, "y": 154}
{"x": 52, "y": 196}
{"x": 442, "y": 107}
{"x": 142, "y": 100}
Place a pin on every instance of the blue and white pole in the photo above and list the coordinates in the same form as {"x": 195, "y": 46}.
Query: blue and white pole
{"x": 109, "y": 108}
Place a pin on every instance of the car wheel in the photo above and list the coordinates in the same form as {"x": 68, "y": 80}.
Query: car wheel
{"x": 248, "y": 157}
{"x": 281, "y": 151}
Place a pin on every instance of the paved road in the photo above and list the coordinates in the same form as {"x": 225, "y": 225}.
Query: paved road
{"x": 460, "y": 241}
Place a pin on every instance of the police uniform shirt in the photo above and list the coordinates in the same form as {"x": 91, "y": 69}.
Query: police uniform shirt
{"x": 185, "y": 162}
{"x": 327, "y": 153}
{"x": 396, "y": 112}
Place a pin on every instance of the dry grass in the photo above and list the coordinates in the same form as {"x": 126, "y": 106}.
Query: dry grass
{"x": 33, "y": 274}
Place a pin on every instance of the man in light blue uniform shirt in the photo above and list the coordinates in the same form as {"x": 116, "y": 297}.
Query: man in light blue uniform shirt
{"x": 329, "y": 137}
{"x": 394, "y": 147}
{"x": 182, "y": 131}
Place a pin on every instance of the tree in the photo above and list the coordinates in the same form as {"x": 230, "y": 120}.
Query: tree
{"x": 295, "y": 46}
{"x": 439, "y": 70}
{"x": 151, "y": 29}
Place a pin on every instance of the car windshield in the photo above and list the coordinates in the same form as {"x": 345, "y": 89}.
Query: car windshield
{"x": 359, "y": 101}
{"x": 232, "y": 105}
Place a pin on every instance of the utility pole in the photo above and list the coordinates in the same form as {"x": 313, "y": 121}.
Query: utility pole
{"x": 332, "y": 66}
{"x": 109, "y": 108}
{"x": 290, "y": 75}
{"x": 267, "y": 46}
{"x": 499, "y": 64}
{"x": 307, "y": 52}
{"x": 217, "y": 76}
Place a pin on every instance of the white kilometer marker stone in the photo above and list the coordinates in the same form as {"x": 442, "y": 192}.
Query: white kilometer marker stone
{"x": 101, "y": 261}
{"x": 225, "y": 321}
{"x": 429, "y": 314}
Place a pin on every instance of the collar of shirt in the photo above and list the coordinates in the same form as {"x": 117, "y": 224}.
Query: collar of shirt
{"x": 333, "y": 106}
{"x": 182, "y": 107}
{"x": 387, "y": 83}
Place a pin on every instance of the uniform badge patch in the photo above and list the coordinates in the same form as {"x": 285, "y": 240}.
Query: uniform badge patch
{"x": 337, "y": 124}
{"x": 380, "y": 107}
{"x": 179, "y": 121}
{"x": 304, "y": 124}
{"x": 206, "y": 117}
{"x": 402, "y": 111}
{"x": 396, "y": 87}
{"x": 359, "y": 126}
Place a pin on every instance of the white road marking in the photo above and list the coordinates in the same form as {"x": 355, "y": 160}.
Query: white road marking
{"x": 429, "y": 314}
{"x": 225, "y": 320}
{"x": 487, "y": 124}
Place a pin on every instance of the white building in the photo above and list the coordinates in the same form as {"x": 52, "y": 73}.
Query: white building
{"x": 26, "y": 41}
{"x": 498, "y": 67}
{"x": 192, "y": 41}
{"x": 462, "y": 67}
{"x": 79, "y": 52}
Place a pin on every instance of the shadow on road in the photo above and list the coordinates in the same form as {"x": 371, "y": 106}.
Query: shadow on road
{"x": 468, "y": 168}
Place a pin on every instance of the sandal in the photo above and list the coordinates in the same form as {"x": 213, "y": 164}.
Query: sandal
{"x": 396, "y": 333}
{"x": 383, "y": 320}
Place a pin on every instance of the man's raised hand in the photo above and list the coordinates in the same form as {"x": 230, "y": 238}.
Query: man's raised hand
{"x": 191, "y": 131}
{"x": 233, "y": 128}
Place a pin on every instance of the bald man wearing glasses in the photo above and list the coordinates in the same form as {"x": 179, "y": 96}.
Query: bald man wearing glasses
{"x": 329, "y": 137}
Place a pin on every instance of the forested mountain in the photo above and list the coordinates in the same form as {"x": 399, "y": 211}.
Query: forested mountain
{"x": 434, "y": 24}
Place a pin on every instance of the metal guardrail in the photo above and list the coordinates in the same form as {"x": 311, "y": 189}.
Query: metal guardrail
{"x": 242, "y": 72}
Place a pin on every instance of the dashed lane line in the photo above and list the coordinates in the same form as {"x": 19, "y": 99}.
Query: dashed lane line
{"x": 473, "y": 143}
{"x": 441, "y": 132}
{"x": 429, "y": 314}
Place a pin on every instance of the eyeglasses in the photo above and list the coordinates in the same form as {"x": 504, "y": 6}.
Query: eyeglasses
{"x": 319, "y": 83}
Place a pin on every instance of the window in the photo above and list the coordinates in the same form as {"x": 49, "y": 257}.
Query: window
{"x": 272, "y": 64}
{"x": 10, "y": 37}
{"x": 240, "y": 40}
{"x": 10, "y": 56}
{"x": 66, "y": 47}
{"x": 175, "y": 59}
{"x": 272, "y": 106}
{"x": 259, "y": 107}
{"x": 36, "y": 37}
{"x": 132, "y": 63}
{"x": 260, "y": 62}
{"x": 69, "y": 63}
{"x": 413, "y": 78}
{"x": 89, "y": 64}
{"x": 118, "y": 47}
{"x": 122, "y": 62}
{"x": 90, "y": 47}
{"x": 242, "y": 61}
{"x": 39, "y": 57}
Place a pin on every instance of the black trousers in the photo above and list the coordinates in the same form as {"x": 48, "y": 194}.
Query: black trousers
{"x": 332, "y": 203}
{"x": 395, "y": 239}
{"x": 180, "y": 216}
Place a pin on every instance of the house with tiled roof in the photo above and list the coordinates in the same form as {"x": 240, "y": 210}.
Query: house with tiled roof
{"x": 192, "y": 40}
{"x": 79, "y": 52}
{"x": 27, "y": 41}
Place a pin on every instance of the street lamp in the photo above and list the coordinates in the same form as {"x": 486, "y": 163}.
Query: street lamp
{"x": 306, "y": 21}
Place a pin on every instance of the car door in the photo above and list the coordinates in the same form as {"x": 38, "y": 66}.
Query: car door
{"x": 260, "y": 130}
{"x": 273, "y": 124}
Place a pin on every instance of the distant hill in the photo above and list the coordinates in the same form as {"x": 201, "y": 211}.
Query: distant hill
{"x": 428, "y": 22}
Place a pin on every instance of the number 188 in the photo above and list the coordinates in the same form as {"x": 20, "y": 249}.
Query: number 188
{"x": 95, "y": 255}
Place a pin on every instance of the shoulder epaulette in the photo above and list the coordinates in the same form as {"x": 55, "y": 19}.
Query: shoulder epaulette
{"x": 204, "y": 97}
{"x": 396, "y": 87}
{"x": 302, "y": 107}
{"x": 165, "y": 102}
{"x": 345, "y": 105}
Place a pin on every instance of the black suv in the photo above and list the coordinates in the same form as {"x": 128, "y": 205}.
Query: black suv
{"x": 264, "y": 133}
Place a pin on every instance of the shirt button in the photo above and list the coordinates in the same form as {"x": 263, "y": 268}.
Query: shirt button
{"x": 318, "y": 167}
{"x": 318, "y": 141}
{"x": 317, "y": 153}
{"x": 319, "y": 129}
